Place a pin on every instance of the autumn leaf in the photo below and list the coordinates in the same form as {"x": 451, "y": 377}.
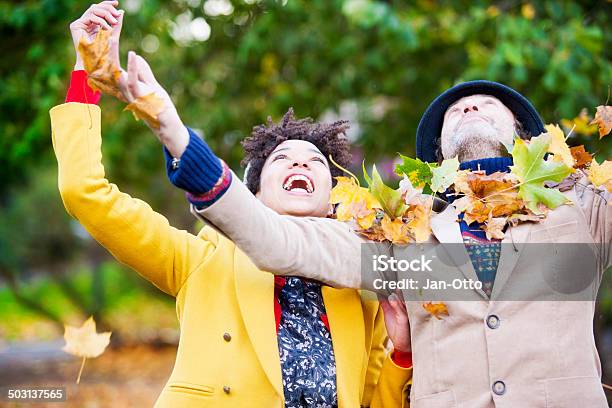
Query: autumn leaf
{"x": 494, "y": 227}
{"x": 390, "y": 199}
{"x": 147, "y": 108}
{"x": 436, "y": 309}
{"x": 581, "y": 124}
{"x": 85, "y": 342}
{"x": 102, "y": 74}
{"x": 410, "y": 194}
{"x": 533, "y": 171}
{"x": 601, "y": 174}
{"x": 395, "y": 230}
{"x": 419, "y": 223}
{"x": 560, "y": 150}
{"x": 582, "y": 158}
{"x": 418, "y": 172}
{"x": 603, "y": 119}
{"x": 444, "y": 175}
{"x": 354, "y": 202}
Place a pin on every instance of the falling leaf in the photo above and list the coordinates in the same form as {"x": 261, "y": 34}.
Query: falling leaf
{"x": 85, "y": 342}
{"x": 582, "y": 158}
{"x": 147, "y": 108}
{"x": 102, "y": 74}
{"x": 601, "y": 174}
{"x": 444, "y": 176}
{"x": 580, "y": 124}
{"x": 560, "y": 150}
{"x": 389, "y": 198}
{"x": 533, "y": 171}
{"x": 603, "y": 119}
{"x": 353, "y": 201}
{"x": 418, "y": 172}
{"x": 436, "y": 309}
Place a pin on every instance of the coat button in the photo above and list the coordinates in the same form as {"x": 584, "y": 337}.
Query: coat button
{"x": 493, "y": 322}
{"x": 227, "y": 337}
{"x": 226, "y": 389}
{"x": 499, "y": 387}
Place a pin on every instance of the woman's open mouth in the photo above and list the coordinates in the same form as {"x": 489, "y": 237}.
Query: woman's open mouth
{"x": 299, "y": 184}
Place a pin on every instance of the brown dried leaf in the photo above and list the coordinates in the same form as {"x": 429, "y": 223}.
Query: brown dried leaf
{"x": 103, "y": 75}
{"x": 603, "y": 119}
{"x": 147, "y": 108}
{"x": 581, "y": 156}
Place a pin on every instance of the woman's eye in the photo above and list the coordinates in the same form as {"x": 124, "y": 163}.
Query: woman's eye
{"x": 280, "y": 156}
{"x": 318, "y": 159}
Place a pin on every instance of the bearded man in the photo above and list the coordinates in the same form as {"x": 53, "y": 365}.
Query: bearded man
{"x": 512, "y": 340}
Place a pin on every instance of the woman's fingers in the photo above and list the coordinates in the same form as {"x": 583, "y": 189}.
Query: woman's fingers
{"x": 133, "y": 84}
{"x": 92, "y": 19}
{"x": 105, "y": 14}
{"x": 145, "y": 74}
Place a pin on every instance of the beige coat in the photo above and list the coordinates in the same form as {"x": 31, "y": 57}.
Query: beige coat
{"x": 537, "y": 353}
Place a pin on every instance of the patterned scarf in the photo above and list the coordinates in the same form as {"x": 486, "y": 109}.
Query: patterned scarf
{"x": 306, "y": 353}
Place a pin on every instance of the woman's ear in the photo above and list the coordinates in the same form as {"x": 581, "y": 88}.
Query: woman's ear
{"x": 330, "y": 211}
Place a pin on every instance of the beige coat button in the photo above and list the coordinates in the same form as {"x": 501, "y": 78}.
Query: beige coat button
{"x": 227, "y": 337}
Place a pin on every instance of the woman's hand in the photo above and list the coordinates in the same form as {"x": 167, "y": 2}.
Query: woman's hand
{"x": 139, "y": 81}
{"x": 101, "y": 15}
{"x": 397, "y": 322}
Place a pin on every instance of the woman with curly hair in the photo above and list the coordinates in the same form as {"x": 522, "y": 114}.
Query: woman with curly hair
{"x": 247, "y": 339}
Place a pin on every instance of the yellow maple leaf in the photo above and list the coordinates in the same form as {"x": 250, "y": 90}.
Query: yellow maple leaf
{"x": 147, "y": 108}
{"x": 601, "y": 174}
{"x": 436, "y": 309}
{"x": 102, "y": 74}
{"x": 354, "y": 202}
{"x": 395, "y": 230}
{"x": 581, "y": 124}
{"x": 419, "y": 225}
{"x": 85, "y": 342}
{"x": 560, "y": 150}
{"x": 603, "y": 119}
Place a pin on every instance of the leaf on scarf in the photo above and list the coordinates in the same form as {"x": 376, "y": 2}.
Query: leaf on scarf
{"x": 582, "y": 157}
{"x": 533, "y": 171}
{"x": 436, "y": 309}
{"x": 444, "y": 175}
{"x": 487, "y": 196}
{"x": 418, "y": 172}
{"x": 603, "y": 120}
{"x": 494, "y": 227}
{"x": 601, "y": 174}
{"x": 560, "y": 150}
{"x": 147, "y": 108}
{"x": 102, "y": 75}
{"x": 581, "y": 124}
{"x": 353, "y": 201}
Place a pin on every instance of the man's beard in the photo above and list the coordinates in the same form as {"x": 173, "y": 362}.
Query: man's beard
{"x": 476, "y": 141}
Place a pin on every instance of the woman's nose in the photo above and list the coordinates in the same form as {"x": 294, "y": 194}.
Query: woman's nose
{"x": 298, "y": 164}
{"x": 470, "y": 108}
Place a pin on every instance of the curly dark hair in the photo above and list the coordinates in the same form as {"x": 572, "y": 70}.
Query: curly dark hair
{"x": 329, "y": 138}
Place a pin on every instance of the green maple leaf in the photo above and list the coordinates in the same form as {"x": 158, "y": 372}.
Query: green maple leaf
{"x": 444, "y": 175}
{"x": 418, "y": 172}
{"x": 391, "y": 200}
{"x": 533, "y": 171}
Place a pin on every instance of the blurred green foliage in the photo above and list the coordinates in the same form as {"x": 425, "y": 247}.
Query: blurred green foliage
{"x": 378, "y": 62}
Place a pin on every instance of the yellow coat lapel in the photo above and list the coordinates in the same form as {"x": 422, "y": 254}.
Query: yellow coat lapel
{"x": 255, "y": 292}
{"x": 343, "y": 307}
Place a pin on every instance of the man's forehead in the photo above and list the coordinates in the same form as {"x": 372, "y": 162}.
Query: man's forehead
{"x": 484, "y": 97}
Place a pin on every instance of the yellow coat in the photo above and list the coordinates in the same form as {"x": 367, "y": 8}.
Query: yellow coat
{"x": 227, "y": 354}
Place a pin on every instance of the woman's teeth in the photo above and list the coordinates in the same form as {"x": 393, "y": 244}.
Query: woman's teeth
{"x": 298, "y": 183}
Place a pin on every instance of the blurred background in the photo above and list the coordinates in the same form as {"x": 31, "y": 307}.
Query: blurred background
{"x": 228, "y": 64}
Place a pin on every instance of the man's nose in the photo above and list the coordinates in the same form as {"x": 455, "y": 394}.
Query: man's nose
{"x": 472, "y": 108}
